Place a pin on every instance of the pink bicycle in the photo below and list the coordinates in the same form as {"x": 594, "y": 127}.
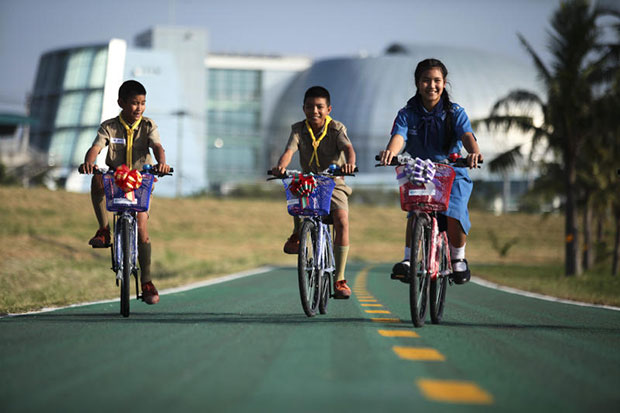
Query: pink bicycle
{"x": 430, "y": 264}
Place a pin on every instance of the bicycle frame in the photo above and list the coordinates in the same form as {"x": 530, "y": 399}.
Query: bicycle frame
{"x": 433, "y": 250}
{"x": 324, "y": 242}
{"x": 128, "y": 218}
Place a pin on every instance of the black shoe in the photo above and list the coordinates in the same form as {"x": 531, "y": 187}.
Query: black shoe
{"x": 460, "y": 277}
{"x": 400, "y": 271}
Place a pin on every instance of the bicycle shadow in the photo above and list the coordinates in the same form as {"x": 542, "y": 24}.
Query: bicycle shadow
{"x": 190, "y": 318}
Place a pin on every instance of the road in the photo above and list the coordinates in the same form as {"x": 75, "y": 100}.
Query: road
{"x": 246, "y": 346}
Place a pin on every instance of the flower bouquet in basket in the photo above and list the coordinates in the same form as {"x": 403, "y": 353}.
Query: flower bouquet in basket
{"x": 308, "y": 194}
{"x": 424, "y": 185}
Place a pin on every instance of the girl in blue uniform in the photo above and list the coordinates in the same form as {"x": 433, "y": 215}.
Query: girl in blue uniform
{"x": 431, "y": 127}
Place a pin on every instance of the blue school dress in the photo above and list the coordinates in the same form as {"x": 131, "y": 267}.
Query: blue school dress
{"x": 424, "y": 134}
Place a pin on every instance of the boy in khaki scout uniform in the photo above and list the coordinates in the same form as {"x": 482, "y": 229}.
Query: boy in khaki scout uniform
{"x": 129, "y": 137}
{"x": 322, "y": 141}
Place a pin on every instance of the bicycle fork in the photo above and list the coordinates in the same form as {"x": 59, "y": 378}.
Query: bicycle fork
{"x": 125, "y": 220}
{"x": 323, "y": 255}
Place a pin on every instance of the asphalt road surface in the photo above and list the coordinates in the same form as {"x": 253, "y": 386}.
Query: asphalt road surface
{"x": 245, "y": 345}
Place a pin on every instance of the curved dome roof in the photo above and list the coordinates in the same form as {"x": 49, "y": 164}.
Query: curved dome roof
{"x": 367, "y": 92}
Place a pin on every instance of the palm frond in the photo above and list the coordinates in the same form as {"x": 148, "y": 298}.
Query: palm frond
{"x": 505, "y": 123}
{"x": 519, "y": 97}
{"x": 538, "y": 63}
{"x": 506, "y": 161}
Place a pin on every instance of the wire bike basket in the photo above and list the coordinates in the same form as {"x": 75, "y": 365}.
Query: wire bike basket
{"x": 306, "y": 198}
{"x": 117, "y": 200}
{"x": 431, "y": 196}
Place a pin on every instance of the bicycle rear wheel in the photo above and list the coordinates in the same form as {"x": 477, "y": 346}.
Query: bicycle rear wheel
{"x": 307, "y": 273}
{"x": 439, "y": 285}
{"x": 418, "y": 270}
{"x": 126, "y": 280}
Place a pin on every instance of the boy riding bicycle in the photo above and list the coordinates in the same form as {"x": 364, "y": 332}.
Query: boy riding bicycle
{"x": 321, "y": 142}
{"x": 129, "y": 137}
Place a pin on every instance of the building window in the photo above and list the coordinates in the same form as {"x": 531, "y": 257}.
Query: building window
{"x": 91, "y": 111}
{"x": 78, "y": 69}
{"x": 69, "y": 109}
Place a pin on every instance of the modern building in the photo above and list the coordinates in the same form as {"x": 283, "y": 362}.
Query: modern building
{"x": 210, "y": 109}
{"x": 368, "y": 91}
{"x": 225, "y": 118}
{"x": 243, "y": 93}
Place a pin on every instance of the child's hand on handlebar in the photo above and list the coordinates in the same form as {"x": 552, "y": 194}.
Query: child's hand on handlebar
{"x": 278, "y": 170}
{"x": 473, "y": 159}
{"x": 386, "y": 157}
{"x": 162, "y": 168}
{"x": 87, "y": 168}
{"x": 348, "y": 168}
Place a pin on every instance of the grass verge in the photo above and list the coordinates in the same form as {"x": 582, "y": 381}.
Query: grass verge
{"x": 45, "y": 260}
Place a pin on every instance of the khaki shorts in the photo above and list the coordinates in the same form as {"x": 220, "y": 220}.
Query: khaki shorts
{"x": 340, "y": 196}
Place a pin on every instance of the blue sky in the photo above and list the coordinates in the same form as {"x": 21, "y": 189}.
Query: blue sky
{"x": 318, "y": 29}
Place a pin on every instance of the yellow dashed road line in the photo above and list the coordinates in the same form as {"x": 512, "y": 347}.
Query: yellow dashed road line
{"x": 418, "y": 353}
{"x": 386, "y": 320}
{"x": 446, "y": 391}
{"x": 452, "y": 391}
{"x": 398, "y": 333}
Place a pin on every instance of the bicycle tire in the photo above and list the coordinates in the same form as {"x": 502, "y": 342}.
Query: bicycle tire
{"x": 418, "y": 270}
{"x": 326, "y": 278}
{"x": 307, "y": 273}
{"x": 126, "y": 280}
{"x": 438, "y": 286}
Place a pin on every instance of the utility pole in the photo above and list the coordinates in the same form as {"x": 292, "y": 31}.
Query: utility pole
{"x": 180, "y": 114}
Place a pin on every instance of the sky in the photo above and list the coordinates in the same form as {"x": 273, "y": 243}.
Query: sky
{"x": 317, "y": 29}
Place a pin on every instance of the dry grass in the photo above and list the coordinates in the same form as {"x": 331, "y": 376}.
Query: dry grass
{"x": 45, "y": 259}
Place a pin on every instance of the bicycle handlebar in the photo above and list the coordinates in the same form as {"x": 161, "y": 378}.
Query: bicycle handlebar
{"x": 327, "y": 172}
{"x": 151, "y": 171}
{"x": 402, "y": 159}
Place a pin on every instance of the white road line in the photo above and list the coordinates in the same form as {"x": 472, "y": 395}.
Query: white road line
{"x": 187, "y": 287}
{"x": 512, "y": 290}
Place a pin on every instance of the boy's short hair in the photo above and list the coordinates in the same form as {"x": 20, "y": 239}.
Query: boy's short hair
{"x": 130, "y": 88}
{"x": 317, "y": 92}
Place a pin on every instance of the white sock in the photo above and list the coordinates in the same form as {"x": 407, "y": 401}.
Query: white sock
{"x": 458, "y": 254}
{"x": 407, "y": 253}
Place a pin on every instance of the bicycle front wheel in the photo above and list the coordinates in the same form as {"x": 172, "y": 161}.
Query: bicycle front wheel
{"x": 307, "y": 271}
{"x": 126, "y": 280}
{"x": 439, "y": 285}
{"x": 418, "y": 270}
{"x": 326, "y": 278}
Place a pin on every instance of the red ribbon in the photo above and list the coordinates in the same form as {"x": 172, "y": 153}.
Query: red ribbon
{"x": 128, "y": 180}
{"x": 302, "y": 187}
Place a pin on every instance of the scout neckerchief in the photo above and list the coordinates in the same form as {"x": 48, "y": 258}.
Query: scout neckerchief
{"x": 130, "y": 131}
{"x": 316, "y": 142}
{"x": 430, "y": 122}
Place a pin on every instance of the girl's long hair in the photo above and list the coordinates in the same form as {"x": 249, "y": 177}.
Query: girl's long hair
{"x": 422, "y": 67}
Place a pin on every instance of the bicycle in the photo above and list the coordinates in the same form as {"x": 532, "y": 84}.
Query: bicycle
{"x": 124, "y": 249}
{"x": 430, "y": 264}
{"x": 315, "y": 262}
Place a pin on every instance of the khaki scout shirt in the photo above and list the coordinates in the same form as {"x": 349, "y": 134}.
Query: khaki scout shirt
{"x": 113, "y": 134}
{"x": 330, "y": 151}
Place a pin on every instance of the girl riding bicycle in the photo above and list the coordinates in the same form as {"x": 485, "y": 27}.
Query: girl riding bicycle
{"x": 431, "y": 127}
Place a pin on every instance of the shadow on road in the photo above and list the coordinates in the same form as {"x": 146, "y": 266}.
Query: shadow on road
{"x": 187, "y": 318}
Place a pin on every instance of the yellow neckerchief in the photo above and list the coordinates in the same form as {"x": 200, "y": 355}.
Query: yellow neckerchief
{"x": 130, "y": 131}
{"x": 317, "y": 142}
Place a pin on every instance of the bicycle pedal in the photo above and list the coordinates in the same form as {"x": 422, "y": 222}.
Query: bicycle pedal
{"x": 400, "y": 277}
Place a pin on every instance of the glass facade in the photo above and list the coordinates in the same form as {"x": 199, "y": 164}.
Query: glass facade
{"x": 366, "y": 94}
{"x": 234, "y": 125}
{"x": 67, "y": 101}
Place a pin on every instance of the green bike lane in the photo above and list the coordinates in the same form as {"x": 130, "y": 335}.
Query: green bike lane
{"x": 245, "y": 345}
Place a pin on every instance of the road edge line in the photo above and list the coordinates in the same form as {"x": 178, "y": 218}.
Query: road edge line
{"x": 512, "y": 290}
{"x": 199, "y": 284}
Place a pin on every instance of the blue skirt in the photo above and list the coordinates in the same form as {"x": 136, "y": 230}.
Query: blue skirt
{"x": 459, "y": 198}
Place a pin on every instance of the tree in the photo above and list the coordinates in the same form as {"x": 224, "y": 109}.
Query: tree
{"x": 567, "y": 108}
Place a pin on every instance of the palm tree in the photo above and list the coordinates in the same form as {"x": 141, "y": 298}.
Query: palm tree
{"x": 569, "y": 81}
